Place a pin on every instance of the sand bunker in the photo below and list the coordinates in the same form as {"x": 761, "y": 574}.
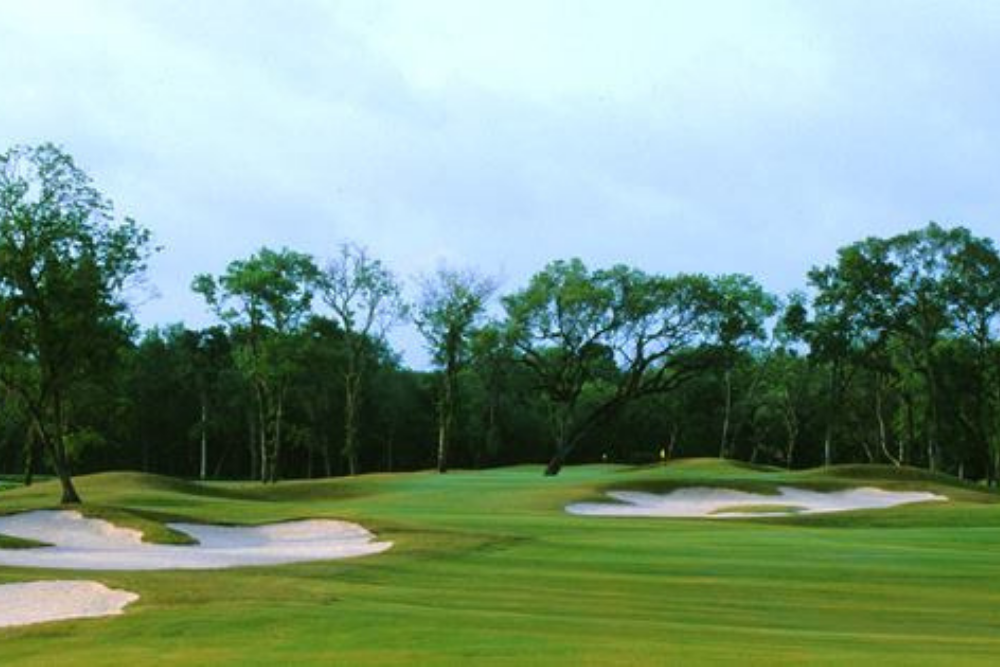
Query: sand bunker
{"x": 79, "y": 543}
{"x": 41, "y": 601}
{"x": 729, "y": 504}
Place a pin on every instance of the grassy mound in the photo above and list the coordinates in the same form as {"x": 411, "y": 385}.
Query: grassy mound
{"x": 8, "y": 542}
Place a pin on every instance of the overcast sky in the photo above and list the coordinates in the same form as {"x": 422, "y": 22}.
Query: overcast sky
{"x": 735, "y": 136}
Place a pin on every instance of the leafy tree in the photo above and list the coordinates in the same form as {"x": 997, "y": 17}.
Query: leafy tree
{"x": 207, "y": 356}
{"x": 492, "y": 364}
{"x": 451, "y": 303}
{"x": 972, "y": 289}
{"x": 790, "y": 377}
{"x": 597, "y": 340}
{"x": 161, "y": 403}
{"x": 922, "y": 257}
{"x": 264, "y": 300}
{"x": 65, "y": 262}
{"x": 365, "y": 299}
{"x": 743, "y": 308}
{"x": 858, "y": 314}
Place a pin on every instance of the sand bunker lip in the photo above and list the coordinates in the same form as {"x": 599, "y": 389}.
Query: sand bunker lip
{"x": 43, "y": 601}
{"x": 80, "y": 543}
{"x": 718, "y": 503}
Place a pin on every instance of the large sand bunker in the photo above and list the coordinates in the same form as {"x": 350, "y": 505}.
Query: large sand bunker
{"x": 79, "y": 543}
{"x": 41, "y": 601}
{"x": 719, "y": 503}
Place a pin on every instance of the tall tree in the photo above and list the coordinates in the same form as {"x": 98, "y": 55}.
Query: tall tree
{"x": 451, "y": 303}
{"x": 858, "y": 315}
{"x": 972, "y": 288}
{"x": 65, "y": 262}
{"x": 264, "y": 300}
{"x": 365, "y": 299}
{"x": 492, "y": 362}
{"x": 596, "y": 341}
{"x": 743, "y": 309}
{"x": 923, "y": 258}
{"x": 207, "y": 355}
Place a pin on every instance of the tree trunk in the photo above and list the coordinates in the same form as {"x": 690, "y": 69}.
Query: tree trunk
{"x": 29, "y": 456}
{"x": 832, "y": 406}
{"x": 253, "y": 446}
{"x": 491, "y": 446}
{"x": 279, "y": 418}
{"x": 932, "y": 412}
{"x": 882, "y": 435}
{"x": 57, "y": 451}
{"x": 327, "y": 465}
{"x": 389, "y": 453}
{"x": 563, "y": 444}
{"x": 445, "y": 418}
{"x": 220, "y": 464}
{"x": 869, "y": 454}
{"x": 69, "y": 494}
{"x": 931, "y": 453}
{"x": 789, "y": 448}
{"x": 556, "y": 462}
{"x": 996, "y": 465}
{"x": 911, "y": 428}
{"x": 791, "y": 429}
{"x": 203, "y": 471}
{"x": 352, "y": 391}
{"x": 262, "y": 428}
{"x": 727, "y": 412}
{"x": 442, "y": 449}
{"x": 828, "y": 447}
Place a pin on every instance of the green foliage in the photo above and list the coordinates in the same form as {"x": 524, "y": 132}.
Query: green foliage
{"x": 365, "y": 299}
{"x": 65, "y": 262}
{"x": 265, "y": 300}
{"x": 597, "y": 340}
{"x": 892, "y": 356}
{"x": 451, "y": 304}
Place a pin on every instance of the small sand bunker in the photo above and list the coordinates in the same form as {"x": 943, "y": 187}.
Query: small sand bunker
{"x": 42, "y": 601}
{"x": 729, "y": 504}
{"x": 79, "y": 543}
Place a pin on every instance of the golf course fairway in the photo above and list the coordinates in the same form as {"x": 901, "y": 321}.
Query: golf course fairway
{"x": 488, "y": 568}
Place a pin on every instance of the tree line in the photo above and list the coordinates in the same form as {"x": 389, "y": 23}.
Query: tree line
{"x": 888, "y": 354}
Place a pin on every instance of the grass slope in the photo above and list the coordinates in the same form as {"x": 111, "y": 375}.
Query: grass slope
{"x": 488, "y": 569}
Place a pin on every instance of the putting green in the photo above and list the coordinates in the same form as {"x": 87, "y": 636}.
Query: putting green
{"x": 488, "y": 568}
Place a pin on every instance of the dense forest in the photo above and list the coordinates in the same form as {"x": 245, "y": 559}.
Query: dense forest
{"x": 888, "y": 354}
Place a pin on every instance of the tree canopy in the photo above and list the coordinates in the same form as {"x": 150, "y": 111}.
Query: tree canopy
{"x": 65, "y": 264}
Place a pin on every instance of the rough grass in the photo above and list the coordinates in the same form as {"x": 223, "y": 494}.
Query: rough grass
{"x": 8, "y": 542}
{"x": 488, "y": 569}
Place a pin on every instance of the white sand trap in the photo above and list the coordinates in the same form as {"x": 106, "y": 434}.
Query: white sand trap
{"x": 719, "y": 503}
{"x": 79, "y": 543}
{"x": 42, "y": 601}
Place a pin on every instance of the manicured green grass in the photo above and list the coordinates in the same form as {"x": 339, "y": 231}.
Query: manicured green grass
{"x": 488, "y": 569}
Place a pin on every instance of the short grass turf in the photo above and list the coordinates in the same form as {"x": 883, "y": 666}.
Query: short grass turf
{"x": 489, "y": 569}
